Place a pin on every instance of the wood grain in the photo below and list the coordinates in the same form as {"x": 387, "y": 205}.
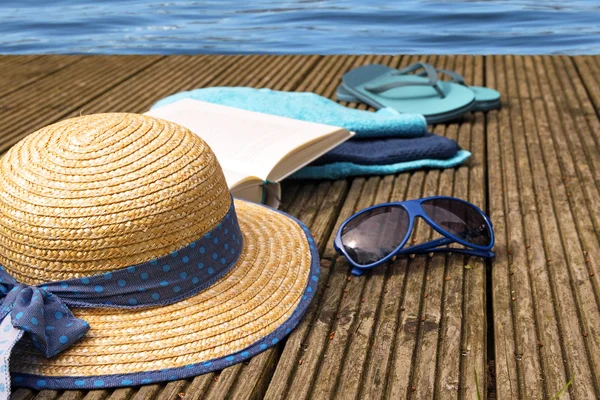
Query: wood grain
{"x": 417, "y": 328}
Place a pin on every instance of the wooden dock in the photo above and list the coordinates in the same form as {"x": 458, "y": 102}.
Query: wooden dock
{"x": 524, "y": 324}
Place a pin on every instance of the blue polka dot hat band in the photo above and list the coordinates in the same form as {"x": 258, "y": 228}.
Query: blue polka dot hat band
{"x": 42, "y": 312}
{"x": 160, "y": 281}
{"x": 125, "y": 261}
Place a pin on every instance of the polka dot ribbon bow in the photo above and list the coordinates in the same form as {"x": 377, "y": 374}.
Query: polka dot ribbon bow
{"x": 42, "y": 311}
{"x": 50, "y": 324}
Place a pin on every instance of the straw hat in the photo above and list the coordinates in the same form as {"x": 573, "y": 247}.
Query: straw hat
{"x": 128, "y": 222}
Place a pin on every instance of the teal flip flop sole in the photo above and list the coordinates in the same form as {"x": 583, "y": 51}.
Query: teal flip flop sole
{"x": 381, "y": 86}
{"x": 486, "y": 99}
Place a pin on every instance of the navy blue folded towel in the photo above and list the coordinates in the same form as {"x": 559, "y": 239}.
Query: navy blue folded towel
{"x": 391, "y": 151}
{"x": 388, "y": 142}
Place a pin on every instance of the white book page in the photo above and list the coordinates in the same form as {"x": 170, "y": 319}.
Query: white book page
{"x": 246, "y": 142}
{"x": 233, "y": 178}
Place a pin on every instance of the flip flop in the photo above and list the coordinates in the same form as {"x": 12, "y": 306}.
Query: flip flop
{"x": 486, "y": 99}
{"x": 381, "y": 86}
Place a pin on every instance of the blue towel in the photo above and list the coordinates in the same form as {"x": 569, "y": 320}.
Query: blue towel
{"x": 391, "y": 151}
{"x": 310, "y": 107}
{"x": 339, "y": 170}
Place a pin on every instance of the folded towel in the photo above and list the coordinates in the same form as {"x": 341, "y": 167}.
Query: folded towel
{"x": 340, "y": 170}
{"x": 310, "y": 107}
{"x": 391, "y": 151}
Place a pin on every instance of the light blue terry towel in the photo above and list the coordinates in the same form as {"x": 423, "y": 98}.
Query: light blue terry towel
{"x": 310, "y": 107}
{"x": 338, "y": 170}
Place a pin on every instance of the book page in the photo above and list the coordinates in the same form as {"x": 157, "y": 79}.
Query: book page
{"x": 234, "y": 178}
{"x": 244, "y": 141}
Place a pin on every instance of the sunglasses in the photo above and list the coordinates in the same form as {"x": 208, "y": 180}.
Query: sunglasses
{"x": 376, "y": 234}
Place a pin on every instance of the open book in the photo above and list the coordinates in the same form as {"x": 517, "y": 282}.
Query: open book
{"x": 255, "y": 150}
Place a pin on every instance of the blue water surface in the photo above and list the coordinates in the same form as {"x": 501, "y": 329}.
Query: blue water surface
{"x": 302, "y": 26}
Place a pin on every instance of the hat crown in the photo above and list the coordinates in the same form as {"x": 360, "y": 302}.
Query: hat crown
{"x": 102, "y": 192}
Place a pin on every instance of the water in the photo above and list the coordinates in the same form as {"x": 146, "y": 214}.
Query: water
{"x": 303, "y": 26}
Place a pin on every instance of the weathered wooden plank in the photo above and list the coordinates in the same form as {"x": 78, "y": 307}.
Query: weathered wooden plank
{"x": 568, "y": 141}
{"x": 588, "y": 67}
{"x": 374, "y": 381}
{"x": 173, "y": 390}
{"x": 117, "y": 394}
{"x": 417, "y": 316}
{"x": 179, "y": 73}
{"x": 582, "y": 112}
{"x": 51, "y": 98}
{"x": 474, "y": 304}
{"x": 462, "y": 334}
{"x": 403, "y": 347}
{"x": 9, "y": 60}
{"x": 288, "y": 193}
{"x": 537, "y": 249}
{"x": 223, "y": 383}
{"x": 170, "y": 75}
{"x": 145, "y": 392}
{"x": 581, "y": 139}
{"x": 578, "y": 182}
{"x": 300, "y": 345}
{"x": 423, "y": 378}
{"x": 416, "y": 342}
{"x": 295, "y": 347}
{"x": 584, "y": 338}
{"x": 77, "y": 395}
{"x": 507, "y": 384}
{"x": 22, "y": 394}
{"x": 579, "y": 190}
{"x": 47, "y": 395}
{"x": 15, "y": 76}
{"x": 518, "y": 183}
{"x": 100, "y": 395}
{"x": 587, "y": 83}
{"x": 368, "y": 309}
{"x": 320, "y": 78}
{"x": 329, "y": 374}
{"x": 198, "y": 387}
{"x": 324, "y": 222}
{"x": 254, "y": 379}
{"x": 544, "y": 254}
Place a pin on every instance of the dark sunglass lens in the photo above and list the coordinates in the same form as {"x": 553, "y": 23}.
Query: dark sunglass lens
{"x": 459, "y": 219}
{"x": 374, "y": 234}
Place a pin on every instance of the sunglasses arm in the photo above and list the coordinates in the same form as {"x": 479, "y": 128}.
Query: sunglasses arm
{"x": 427, "y": 246}
{"x": 433, "y": 246}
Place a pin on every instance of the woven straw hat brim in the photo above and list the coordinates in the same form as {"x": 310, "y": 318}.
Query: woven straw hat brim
{"x": 258, "y": 295}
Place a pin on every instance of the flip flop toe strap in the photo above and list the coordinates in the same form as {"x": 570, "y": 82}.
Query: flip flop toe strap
{"x": 456, "y": 77}
{"x": 391, "y": 85}
{"x": 429, "y": 72}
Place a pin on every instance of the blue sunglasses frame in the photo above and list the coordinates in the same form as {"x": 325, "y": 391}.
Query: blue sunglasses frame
{"x": 415, "y": 209}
